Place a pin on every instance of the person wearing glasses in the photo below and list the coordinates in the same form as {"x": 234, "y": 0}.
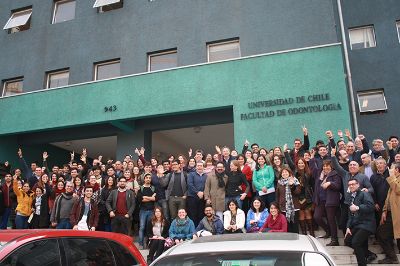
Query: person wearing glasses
{"x": 60, "y": 214}
{"x": 361, "y": 223}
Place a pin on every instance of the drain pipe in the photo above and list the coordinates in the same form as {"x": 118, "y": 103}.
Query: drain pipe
{"x": 347, "y": 63}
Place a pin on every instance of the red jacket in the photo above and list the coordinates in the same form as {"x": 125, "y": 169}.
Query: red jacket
{"x": 277, "y": 225}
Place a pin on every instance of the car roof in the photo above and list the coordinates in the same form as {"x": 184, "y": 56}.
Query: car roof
{"x": 8, "y": 235}
{"x": 246, "y": 242}
{"x": 16, "y": 238}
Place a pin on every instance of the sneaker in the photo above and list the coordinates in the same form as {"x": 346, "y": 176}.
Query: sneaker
{"x": 388, "y": 261}
{"x": 371, "y": 257}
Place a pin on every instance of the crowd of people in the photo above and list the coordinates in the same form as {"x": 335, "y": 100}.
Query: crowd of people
{"x": 337, "y": 184}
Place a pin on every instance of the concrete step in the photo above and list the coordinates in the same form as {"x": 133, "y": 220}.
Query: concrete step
{"x": 343, "y": 250}
{"x": 352, "y": 260}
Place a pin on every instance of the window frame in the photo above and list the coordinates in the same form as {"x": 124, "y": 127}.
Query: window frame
{"x": 5, "y": 82}
{"x": 103, "y": 63}
{"x": 109, "y": 7}
{"x": 64, "y": 240}
{"x": 165, "y": 52}
{"x": 370, "y": 92}
{"x": 216, "y": 43}
{"x": 60, "y": 252}
{"x": 15, "y": 12}
{"x": 361, "y": 28}
{"x": 56, "y": 3}
{"x": 55, "y": 72}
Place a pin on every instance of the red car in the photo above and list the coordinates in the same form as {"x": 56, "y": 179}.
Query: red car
{"x": 67, "y": 247}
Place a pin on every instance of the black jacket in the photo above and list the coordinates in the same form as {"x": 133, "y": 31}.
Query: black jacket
{"x": 44, "y": 217}
{"x": 165, "y": 229}
{"x": 381, "y": 187}
{"x": 364, "y": 218}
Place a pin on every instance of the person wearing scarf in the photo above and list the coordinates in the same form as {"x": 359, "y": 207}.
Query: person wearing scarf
{"x": 182, "y": 227}
{"x": 214, "y": 190}
{"x": 287, "y": 194}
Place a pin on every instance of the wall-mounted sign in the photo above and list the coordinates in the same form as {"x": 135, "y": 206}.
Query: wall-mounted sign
{"x": 311, "y": 105}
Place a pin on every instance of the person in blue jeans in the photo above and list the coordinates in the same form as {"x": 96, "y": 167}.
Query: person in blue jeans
{"x": 60, "y": 213}
{"x": 147, "y": 199}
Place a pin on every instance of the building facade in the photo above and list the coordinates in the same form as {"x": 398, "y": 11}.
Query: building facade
{"x": 78, "y": 69}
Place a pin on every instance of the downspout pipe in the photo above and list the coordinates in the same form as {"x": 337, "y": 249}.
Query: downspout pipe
{"x": 347, "y": 63}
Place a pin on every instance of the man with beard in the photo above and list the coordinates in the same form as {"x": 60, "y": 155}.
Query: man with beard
{"x": 60, "y": 214}
{"x": 210, "y": 223}
{"x": 120, "y": 205}
{"x": 214, "y": 190}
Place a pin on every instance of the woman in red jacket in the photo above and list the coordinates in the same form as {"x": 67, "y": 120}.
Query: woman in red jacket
{"x": 276, "y": 221}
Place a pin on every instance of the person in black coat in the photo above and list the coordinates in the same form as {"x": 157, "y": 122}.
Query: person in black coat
{"x": 40, "y": 206}
{"x": 361, "y": 222}
{"x": 157, "y": 231}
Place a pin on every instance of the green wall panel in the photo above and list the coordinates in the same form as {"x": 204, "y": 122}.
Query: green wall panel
{"x": 209, "y": 86}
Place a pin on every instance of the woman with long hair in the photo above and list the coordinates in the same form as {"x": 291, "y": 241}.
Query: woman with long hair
{"x": 40, "y": 207}
{"x": 264, "y": 180}
{"x": 234, "y": 218}
{"x": 235, "y": 180}
{"x": 78, "y": 187}
{"x": 24, "y": 207}
{"x": 157, "y": 231}
{"x": 287, "y": 196}
{"x": 104, "y": 217}
{"x": 256, "y": 216}
{"x": 276, "y": 221}
{"x": 303, "y": 174}
{"x": 246, "y": 170}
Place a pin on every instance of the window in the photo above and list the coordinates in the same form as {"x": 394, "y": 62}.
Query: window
{"x": 13, "y": 86}
{"x": 108, "y": 5}
{"x": 372, "y": 101}
{"x": 64, "y": 10}
{"x": 122, "y": 256}
{"x": 106, "y": 70}
{"x": 19, "y": 21}
{"x": 38, "y": 253}
{"x": 223, "y": 50}
{"x": 57, "y": 79}
{"x": 164, "y": 60}
{"x": 362, "y": 37}
{"x": 87, "y": 252}
{"x": 398, "y": 29}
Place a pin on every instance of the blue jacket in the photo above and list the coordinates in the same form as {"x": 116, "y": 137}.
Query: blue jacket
{"x": 218, "y": 226}
{"x": 184, "y": 232}
{"x": 195, "y": 183}
{"x": 260, "y": 223}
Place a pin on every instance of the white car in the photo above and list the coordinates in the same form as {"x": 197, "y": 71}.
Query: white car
{"x": 266, "y": 249}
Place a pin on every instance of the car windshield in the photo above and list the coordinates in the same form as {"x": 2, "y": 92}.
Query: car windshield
{"x": 263, "y": 258}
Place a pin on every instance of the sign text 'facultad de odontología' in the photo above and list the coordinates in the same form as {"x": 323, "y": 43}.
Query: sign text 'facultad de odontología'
{"x": 313, "y": 100}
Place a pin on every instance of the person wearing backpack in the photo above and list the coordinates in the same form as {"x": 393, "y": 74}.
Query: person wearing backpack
{"x": 147, "y": 198}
